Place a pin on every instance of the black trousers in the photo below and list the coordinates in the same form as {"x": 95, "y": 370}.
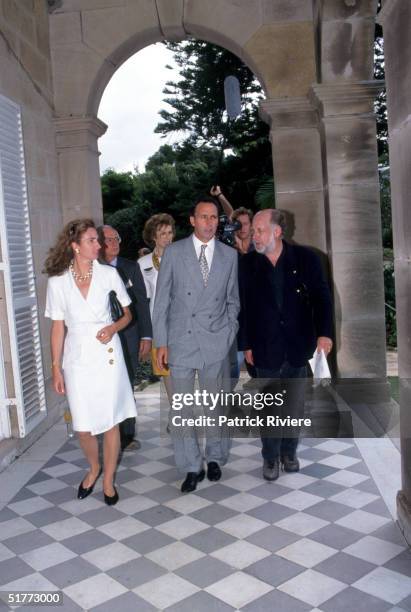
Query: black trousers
{"x": 128, "y": 426}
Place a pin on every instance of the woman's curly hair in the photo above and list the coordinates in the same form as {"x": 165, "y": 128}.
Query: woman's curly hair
{"x": 153, "y": 223}
{"x": 61, "y": 254}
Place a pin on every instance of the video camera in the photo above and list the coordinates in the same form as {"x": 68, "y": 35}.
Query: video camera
{"x": 226, "y": 230}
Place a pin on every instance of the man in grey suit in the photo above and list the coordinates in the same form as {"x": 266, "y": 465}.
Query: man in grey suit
{"x": 194, "y": 325}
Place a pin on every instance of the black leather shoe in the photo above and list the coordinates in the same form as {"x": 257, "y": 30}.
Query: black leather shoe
{"x": 190, "y": 483}
{"x": 213, "y": 471}
{"x": 271, "y": 469}
{"x": 290, "y": 464}
{"x": 111, "y": 500}
{"x": 86, "y": 491}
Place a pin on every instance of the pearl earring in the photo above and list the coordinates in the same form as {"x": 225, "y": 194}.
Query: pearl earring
{"x": 77, "y": 251}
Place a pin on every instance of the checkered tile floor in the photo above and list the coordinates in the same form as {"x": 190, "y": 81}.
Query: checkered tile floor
{"x": 319, "y": 540}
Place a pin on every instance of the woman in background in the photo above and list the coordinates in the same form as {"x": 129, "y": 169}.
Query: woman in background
{"x": 158, "y": 233}
{"x": 87, "y": 358}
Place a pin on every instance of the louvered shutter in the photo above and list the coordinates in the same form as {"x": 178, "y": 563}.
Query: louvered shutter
{"x": 19, "y": 279}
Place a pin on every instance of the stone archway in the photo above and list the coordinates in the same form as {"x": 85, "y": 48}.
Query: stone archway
{"x": 314, "y": 59}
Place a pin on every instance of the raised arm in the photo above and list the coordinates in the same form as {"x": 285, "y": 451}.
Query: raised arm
{"x": 216, "y": 192}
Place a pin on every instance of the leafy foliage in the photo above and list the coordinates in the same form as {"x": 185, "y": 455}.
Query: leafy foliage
{"x": 197, "y": 98}
{"x": 380, "y": 105}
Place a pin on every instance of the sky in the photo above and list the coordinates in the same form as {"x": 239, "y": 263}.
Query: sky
{"x": 130, "y": 106}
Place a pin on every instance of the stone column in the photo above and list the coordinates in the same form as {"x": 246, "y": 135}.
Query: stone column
{"x": 76, "y": 143}
{"x": 353, "y": 218}
{"x": 395, "y": 17}
{"x": 297, "y": 167}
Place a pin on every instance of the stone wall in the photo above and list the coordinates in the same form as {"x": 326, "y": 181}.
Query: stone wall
{"x": 26, "y": 79}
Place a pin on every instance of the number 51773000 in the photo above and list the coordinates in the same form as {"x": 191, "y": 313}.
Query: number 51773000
{"x": 21, "y": 598}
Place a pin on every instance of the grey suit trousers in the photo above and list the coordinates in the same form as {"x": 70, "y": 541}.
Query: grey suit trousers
{"x": 187, "y": 440}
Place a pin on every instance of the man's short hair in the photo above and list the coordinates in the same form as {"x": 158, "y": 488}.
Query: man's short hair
{"x": 278, "y": 218}
{"x": 100, "y": 234}
{"x": 203, "y": 200}
{"x": 242, "y": 211}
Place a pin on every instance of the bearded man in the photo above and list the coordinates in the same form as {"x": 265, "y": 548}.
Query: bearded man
{"x": 286, "y": 313}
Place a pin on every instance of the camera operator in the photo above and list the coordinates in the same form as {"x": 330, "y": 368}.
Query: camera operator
{"x": 241, "y": 239}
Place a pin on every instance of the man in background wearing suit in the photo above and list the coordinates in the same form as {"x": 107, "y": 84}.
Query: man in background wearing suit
{"x": 136, "y": 338}
{"x": 286, "y": 313}
{"x": 195, "y": 323}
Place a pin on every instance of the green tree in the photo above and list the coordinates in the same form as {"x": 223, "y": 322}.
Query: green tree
{"x": 118, "y": 190}
{"x": 198, "y": 114}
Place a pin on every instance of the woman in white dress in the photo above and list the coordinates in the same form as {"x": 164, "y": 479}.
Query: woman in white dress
{"x": 158, "y": 233}
{"x": 87, "y": 358}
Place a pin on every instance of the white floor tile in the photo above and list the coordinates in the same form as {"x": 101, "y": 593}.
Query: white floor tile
{"x": 312, "y": 587}
{"x": 32, "y": 582}
{"x": 306, "y": 552}
{"x": 151, "y": 467}
{"x": 123, "y": 528}
{"x": 298, "y": 500}
{"x": 345, "y": 478}
{"x": 5, "y": 553}
{"x": 47, "y": 556}
{"x": 297, "y": 480}
{"x": 87, "y": 504}
{"x": 174, "y": 555}
{"x": 61, "y": 530}
{"x": 364, "y": 522}
{"x": 239, "y": 589}
{"x": 61, "y": 470}
{"x": 28, "y": 506}
{"x": 143, "y": 485}
{"x": 373, "y": 550}
{"x": 243, "y": 482}
{"x": 112, "y": 555}
{"x": 242, "y": 502}
{"x": 240, "y": 554}
{"x": 339, "y": 461}
{"x": 385, "y": 584}
{"x": 182, "y": 527}
{"x": 302, "y": 524}
{"x": 14, "y": 527}
{"x": 187, "y": 504}
{"x": 47, "y": 486}
{"x": 354, "y": 498}
{"x": 245, "y": 450}
{"x": 94, "y": 591}
{"x": 334, "y": 446}
{"x": 137, "y": 503}
{"x": 241, "y": 525}
{"x": 166, "y": 591}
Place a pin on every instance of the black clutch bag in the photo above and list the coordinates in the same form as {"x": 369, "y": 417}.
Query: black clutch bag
{"x": 116, "y": 308}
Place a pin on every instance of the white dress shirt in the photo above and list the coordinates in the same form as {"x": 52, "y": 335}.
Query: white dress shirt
{"x": 209, "y": 251}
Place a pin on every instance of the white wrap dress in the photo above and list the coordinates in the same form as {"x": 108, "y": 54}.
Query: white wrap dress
{"x": 95, "y": 375}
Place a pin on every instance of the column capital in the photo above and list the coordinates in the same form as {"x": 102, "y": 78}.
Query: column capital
{"x": 386, "y": 11}
{"x": 78, "y": 133}
{"x": 288, "y": 112}
{"x": 342, "y": 98}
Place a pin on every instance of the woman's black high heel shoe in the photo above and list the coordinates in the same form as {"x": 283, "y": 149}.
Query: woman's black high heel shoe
{"x": 111, "y": 500}
{"x": 86, "y": 491}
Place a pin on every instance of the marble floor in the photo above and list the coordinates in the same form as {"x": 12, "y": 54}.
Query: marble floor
{"x": 323, "y": 539}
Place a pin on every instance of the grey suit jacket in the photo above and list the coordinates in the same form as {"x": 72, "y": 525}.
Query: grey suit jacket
{"x": 198, "y": 324}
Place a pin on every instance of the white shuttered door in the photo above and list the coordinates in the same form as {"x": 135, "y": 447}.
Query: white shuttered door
{"x": 18, "y": 272}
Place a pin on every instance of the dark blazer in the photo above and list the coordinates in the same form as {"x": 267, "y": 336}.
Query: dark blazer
{"x": 305, "y": 315}
{"x": 140, "y": 326}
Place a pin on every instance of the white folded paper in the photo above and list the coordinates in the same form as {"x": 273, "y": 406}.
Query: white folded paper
{"x": 320, "y": 369}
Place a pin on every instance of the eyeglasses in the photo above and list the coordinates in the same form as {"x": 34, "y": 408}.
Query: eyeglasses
{"x": 112, "y": 240}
